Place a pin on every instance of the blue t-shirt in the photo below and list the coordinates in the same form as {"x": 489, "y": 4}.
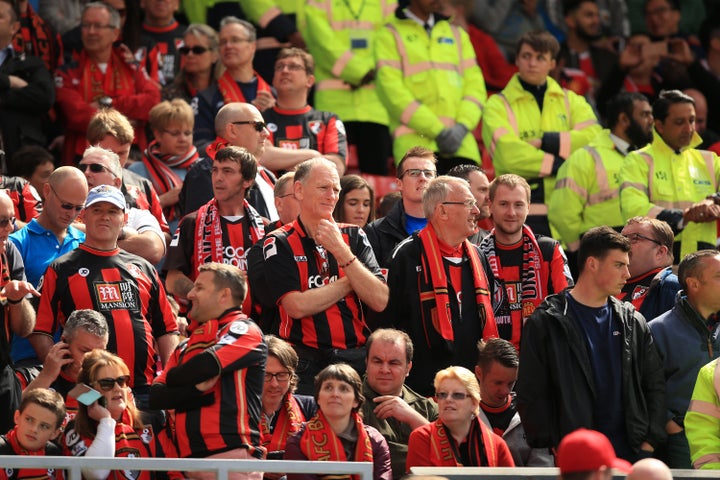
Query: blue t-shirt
{"x": 414, "y": 224}
{"x": 604, "y": 342}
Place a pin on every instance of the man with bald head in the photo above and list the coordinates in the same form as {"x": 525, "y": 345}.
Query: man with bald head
{"x": 239, "y": 125}
{"x": 318, "y": 273}
{"x": 50, "y": 235}
{"x": 649, "y": 469}
{"x": 16, "y": 314}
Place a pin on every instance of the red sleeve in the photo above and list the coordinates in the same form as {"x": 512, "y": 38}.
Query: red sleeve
{"x": 29, "y": 208}
{"x": 418, "y": 454}
{"x": 331, "y": 141}
{"x": 504, "y": 457}
{"x": 146, "y": 96}
{"x": 162, "y": 319}
{"x": 76, "y": 112}
{"x": 496, "y": 70}
{"x": 47, "y": 311}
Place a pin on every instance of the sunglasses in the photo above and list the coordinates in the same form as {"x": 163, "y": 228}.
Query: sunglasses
{"x": 65, "y": 205}
{"x": 95, "y": 168}
{"x": 197, "y": 50}
{"x": 107, "y": 384}
{"x": 4, "y": 222}
{"x": 453, "y": 395}
{"x": 259, "y": 126}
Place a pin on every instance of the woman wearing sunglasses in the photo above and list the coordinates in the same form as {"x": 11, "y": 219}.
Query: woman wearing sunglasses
{"x": 339, "y": 427}
{"x": 458, "y": 437}
{"x": 199, "y": 66}
{"x": 111, "y": 426}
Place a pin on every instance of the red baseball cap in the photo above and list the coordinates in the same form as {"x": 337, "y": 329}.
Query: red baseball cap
{"x": 587, "y": 450}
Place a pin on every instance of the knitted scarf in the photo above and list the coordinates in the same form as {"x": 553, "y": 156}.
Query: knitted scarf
{"x": 289, "y": 421}
{"x": 160, "y": 168}
{"x": 19, "y": 449}
{"x": 319, "y": 442}
{"x": 117, "y": 81}
{"x": 531, "y": 272}
{"x": 231, "y": 92}
{"x": 443, "y": 451}
{"x": 434, "y": 297}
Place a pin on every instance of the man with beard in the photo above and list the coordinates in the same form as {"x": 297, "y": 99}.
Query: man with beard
{"x": 526, "y": 267}
{"x": 582, "y": 18}
{"x": 671, "y": 180}
{"x": 587, "y": 192}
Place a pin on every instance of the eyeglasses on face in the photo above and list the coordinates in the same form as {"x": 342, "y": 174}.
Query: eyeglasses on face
{"x": 293, "y": 67}
{"x": 196, "y": 50}
{"x": 66, "y": 205}
{"x": 257, "y": 125}
{"x": 416, "y": 172}
{"x": 107, "y": 384}
{"x": 5, "y": 222}
{"x": 454, "y": 395}
{"x": 95, "y": 168}
{"x": 469, "y": 203}
{"x": 280, "y": 376}
{"x": 636, "y": 237}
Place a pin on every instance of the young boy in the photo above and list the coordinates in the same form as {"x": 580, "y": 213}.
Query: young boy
{"x": 38, "y": 421}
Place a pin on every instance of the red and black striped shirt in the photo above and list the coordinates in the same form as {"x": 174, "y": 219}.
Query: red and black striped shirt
{"x": 124, "y": 288}
{"x": 294, "y": 263}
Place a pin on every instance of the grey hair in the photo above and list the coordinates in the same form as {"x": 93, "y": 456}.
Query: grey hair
{"x": 114, "y": 14}
{"x": 115, "y": 167}
{"x": 87, "y": 320}
{"x": 437, "y": 191}
{"x": 249, "y": 27}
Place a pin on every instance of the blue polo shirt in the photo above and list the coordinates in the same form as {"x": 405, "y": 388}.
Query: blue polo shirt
{"x": 39, "y": 247}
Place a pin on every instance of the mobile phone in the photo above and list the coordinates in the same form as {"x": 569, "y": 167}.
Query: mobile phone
{"x": 85, "y": 394}
{"x": 655, "y": 49}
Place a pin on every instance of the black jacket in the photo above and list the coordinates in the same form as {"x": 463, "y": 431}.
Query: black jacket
{"x": 23, "y": 110}
{"x": 555, "y": 388}
{"x": 385, "y": 233}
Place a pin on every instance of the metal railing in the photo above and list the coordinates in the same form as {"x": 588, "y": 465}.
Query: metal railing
{"x": 74, "y": 465}
{"x": 532, "y": 473}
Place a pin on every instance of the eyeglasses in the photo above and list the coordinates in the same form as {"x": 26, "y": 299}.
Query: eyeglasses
{"x": 293, "y": 67}
{"x": 197, "y": 50}
{"x": 416, "y": 172}
{"x": 280, "y": 376}
{"x": 453, "y": 395}
{"x": 469, "y": 203}
{"x": 96, "y": 26}
{"x": 5, "y": 222}
{"x": 636, "y": 237}
{"x": 107, "y": 384}
{"x": 66, "y": 205}
{"x": 257, "y": 125}
{"x": 178, "y": 133}
{"x": 95, "y": 168}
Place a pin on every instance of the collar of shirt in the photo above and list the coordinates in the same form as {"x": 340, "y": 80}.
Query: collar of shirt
{"x": 6, "y": 53}
{"x": 621, "y": 144}
{"x": 430, "y": 21}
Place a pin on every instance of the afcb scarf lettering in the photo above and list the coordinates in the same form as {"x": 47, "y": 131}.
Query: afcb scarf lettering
{"x": 531, "y": 273}
{"x": 160, "y": 167}
{"x": 289, "y": 421}
{"x": 319, "y": 442}
{"x": 231, "y": 92}
{"x": 209, "y": 235}
{"x": 443, "y": 451}
{"x": 434, "y": 297}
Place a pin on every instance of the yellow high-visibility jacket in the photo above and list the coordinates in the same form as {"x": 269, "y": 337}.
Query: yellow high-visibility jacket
{"x": 702, "y": 420}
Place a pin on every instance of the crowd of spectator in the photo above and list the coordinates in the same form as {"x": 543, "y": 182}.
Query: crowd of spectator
{"x": 412, "y": 233}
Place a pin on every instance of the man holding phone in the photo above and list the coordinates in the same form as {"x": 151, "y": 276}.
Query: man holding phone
{"x": 85, "y": 330}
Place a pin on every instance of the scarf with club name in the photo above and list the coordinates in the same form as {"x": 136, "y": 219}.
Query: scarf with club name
{"x": 289, "y": 421}
{"x": 481, "y": 448}
{"x": 320, "y": 443}
{"x": 160, "y": 167}
{"x": 434, "y": 293}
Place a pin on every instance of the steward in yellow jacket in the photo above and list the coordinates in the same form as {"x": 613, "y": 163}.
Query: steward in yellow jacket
{"x": 671, "y": 180}
{"x": 533, "y": 125}
{"x": 587, "y": 192}
{"x": 429, "y": 80}
{"x": 702, "y": 420}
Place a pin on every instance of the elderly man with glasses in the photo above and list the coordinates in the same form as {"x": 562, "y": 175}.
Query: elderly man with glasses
{"x": 439, "y": 289}
{"x": 414, "y": 172}
{"x": 652, "y": 285}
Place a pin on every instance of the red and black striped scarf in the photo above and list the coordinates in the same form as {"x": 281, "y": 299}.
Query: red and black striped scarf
{"x": 117, "y": 81}
{"x": 480, "y": 446}
{"x": 434, "y": 293}
{"x": 160, "y": 168}
{"x": 289, "y": 421}
{"x": 320, "y": 443}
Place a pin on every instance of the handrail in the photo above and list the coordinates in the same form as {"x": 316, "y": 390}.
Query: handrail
{"x": 74, "y": 465}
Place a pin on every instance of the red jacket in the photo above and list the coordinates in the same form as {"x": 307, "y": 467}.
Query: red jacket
{"x": 132, "y": 92}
